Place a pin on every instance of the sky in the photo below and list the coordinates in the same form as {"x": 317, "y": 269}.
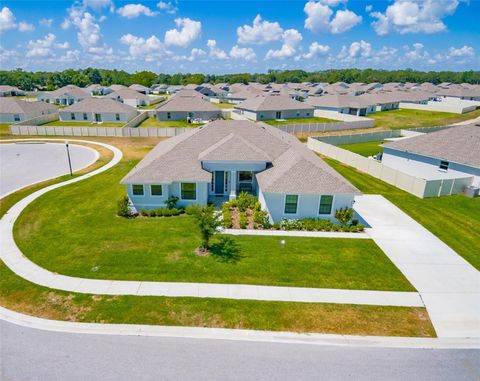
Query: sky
{"x": 229, "y": 36}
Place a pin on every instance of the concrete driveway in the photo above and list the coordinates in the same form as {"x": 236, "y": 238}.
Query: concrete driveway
{"x": 23, "y": 164}
{"x": 449, "y": 285}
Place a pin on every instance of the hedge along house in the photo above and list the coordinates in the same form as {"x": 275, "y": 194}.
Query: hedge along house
{"x": 273, "y": 106}
{"x": 187, "y": 104}
{"x": 98, "y": 110}
{"x": 130, "y": 97}
{"x": 13, "y": 110}
{"x": 64, "y": 96}
{"x": 216, "y": 162}
{"x": 446, "y": 154}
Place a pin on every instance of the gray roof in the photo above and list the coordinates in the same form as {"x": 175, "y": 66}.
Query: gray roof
{"x": 11, "y": 105}
{"x": 99, "y": 105}
{"x": 138, "y": 87}
{"x": 187, "y": 101}
{"x": 294, "y": 168}
{"x": 459, "y": 144}
{"x": 127, "y": 93}
{"x": 272, "y": 102}
{"x": 116, "y": 87}
{"x": 340, "y": 100}
{"x": 72, "y": 90}
{"x": 5, "y": 88}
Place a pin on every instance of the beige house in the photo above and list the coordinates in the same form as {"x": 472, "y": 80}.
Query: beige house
{"x": 64, "y": 96}
{"x": 98, "y": 110}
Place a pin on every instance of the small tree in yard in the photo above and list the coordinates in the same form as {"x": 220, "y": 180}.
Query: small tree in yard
{"x": 344, "y": 215}
{"x": 208, "y": 221}
{"x": 171, "y": 202}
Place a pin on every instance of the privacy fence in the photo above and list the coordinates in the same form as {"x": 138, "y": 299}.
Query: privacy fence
{"x": 415, "y": 185}
{"x": 299, "y": 128}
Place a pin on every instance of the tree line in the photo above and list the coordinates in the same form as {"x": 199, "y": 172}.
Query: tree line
{"x": 44, "y": 80}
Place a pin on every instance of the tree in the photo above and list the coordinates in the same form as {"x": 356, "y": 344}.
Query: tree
{"x": 208, "y": 221}
{"x": 344, "y": 215}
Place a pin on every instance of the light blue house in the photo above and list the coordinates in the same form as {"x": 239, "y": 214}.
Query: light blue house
{"x": 216, "y": 162}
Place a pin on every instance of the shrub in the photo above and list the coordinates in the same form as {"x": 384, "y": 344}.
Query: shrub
{"x": 353, "y": 228}
{"x": 259, "y": 217}
{"x": 167, "y": 212}
{"x": 208, "y": 222}
{"x": 246, "y": 201}
{"x": 361, "y": 227}
{"x": 276, "y": 226}
{"x": 152, "y": 212}
{"x": 144, "y": 212}
{"x": 344, "y": 215}
{"x": 171, "y": 202}
{"x": 354, "y": 222}
{"x": 122, "y": 207}
{"x": 287, "y": 224}
{"x": 309, "y": 224}
{"x": 336, "y": 227}
{"x": 192, "y": 209}
{"x": 175, "y": 211}
{"x": 243, "y": 220}
{"x": 227, "y": 218}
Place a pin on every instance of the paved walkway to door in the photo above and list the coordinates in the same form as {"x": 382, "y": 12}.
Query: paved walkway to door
{"x": 448, "y": 285}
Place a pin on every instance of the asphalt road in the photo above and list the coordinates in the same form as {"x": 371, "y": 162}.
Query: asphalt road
{"x": 26, "y": 163}
{"x": 31, "y": 354}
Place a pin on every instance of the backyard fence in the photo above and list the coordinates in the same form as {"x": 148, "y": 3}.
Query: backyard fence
{"x": 137, "y": 120}
{"x": 415, "y": 185}
{"x": 299, "y": 128}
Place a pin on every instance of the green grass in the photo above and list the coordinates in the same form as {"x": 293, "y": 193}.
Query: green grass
{"x": 223, "y": 105}
{"x": 153, "y": 122}
{"x": 20, "y": 295}
{"x": 151, "y": 106}
{"x": 83, "y": 124}
{"x": 4, "y": 129}
{"x": 453, "y": 219}
{"x": 162, "y": 249}
{"x": 274, "y": 122}
{"x": 365, "y": 149}
{"x": 404, "y": 118}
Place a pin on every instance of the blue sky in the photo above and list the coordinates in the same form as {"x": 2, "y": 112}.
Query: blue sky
{"x": 235, "y": 36}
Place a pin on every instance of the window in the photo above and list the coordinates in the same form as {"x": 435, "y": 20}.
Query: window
{"x": 444, "y": 165}
{"x": 245, "y": 181}
{"x": 85, "y": 116}
{"x": 72, "y": 116}
{"x": 325, "y": 204}
{"x": 117, "y": 117}
{"x": 189, "y": 191}
{"x": 16, "y": 117}
{"x": 169, "y": 115}
{"x": 156, "y": 190}
{"x": 137, "y": 189}
{"x": 291, "y": 202}
{"x": 308, "y": 114}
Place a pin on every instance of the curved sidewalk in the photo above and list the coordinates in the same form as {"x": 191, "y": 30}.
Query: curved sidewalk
{"x": 22, "y": 266}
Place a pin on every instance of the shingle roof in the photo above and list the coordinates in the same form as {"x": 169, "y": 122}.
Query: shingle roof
{"x": 72, "y": 90}
{"x": 117, "y": 87}
{"x": 99, "y": 105}
{"x": 127, "y": 93}
{"x": 340, "y": 100}
{"x": 272, "y": 102}
{"x": 138, "y": 87}
{"x": 458, "y": 144}
{"x": 11, "y": 105}
{"x": 294, "y": 168}
{"x": 9, "y": 88}
{"x": 187, "y": 101}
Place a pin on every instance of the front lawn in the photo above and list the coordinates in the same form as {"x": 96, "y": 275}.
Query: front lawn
{"x": 83, "y": 124}
{"x": 153, "y": 122}
{"x": 406, "y": 118}
{"x": 4, "y": 129}
{"x": 366, "y": 149}
{"x": 274, "y": 122}
{"x": 74, "y": 229}
{"x": 453, "y": 219}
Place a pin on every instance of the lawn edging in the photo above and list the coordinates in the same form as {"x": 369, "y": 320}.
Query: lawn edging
{"x": 295, "y": 233}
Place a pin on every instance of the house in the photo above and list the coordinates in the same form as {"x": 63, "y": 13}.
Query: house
{"x": 98, "y": 110}
{"x": 273, "y": 106}
{"x": 239, "y": 95}
{"x": 10, "y": 91}
{"x": 95, "y": 89}
{"x": 172, "y": 89}
{"x": 130, "y": 97}
{"x": 140, "y": 88}
{"x": 450, "y": 153}
{"x": 13, "y": 110}
{"x": 64, "y": 96}
{"x": 159, "y": 88}
{"x": 471, "y": 94}
{"x": 202, "y": 89}
{"x": 187, "y": 104}
{"x": 343, "y": 104}
{"x": 113, "y": 88}
{"x": 223, "y": 158}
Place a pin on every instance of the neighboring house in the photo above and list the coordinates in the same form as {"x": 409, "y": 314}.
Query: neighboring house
{"x": 202, "y": 89}
{"x": 343, "y": 104}
{"x": 450, "y": 153}
{"x": 140, "y": 88}
{"x": 239, "y": 96}
{"x": 382, "y": 100}
{"x": 98, "y": 110}
{"x": 273, "y": 106}
{"x": 471, "y": 94}
{"x": 96, "y": 89}
{"x": 187, "y": 104}
{"x": 172, "y": 89}
{"x": 130, "y": 97}
{"x": 223, "y": 158}
{"x": 64, "y": 96}
{"x": 13, "y": 110}
{"x": 113, "y": 88}
{"x": 159, "y": 88}
{"x": 10, "y": 91}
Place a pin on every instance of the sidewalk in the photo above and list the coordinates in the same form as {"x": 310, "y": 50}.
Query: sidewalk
{"x": 449, "y": 285}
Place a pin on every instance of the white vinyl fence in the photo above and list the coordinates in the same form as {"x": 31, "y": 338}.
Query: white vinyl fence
{"x": 298, "y": 128}
{"x": 415, "y": 185}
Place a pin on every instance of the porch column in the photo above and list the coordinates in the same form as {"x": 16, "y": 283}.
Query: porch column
{"x": 233, "y": 185}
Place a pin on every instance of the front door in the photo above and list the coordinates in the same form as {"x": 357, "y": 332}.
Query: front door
{"x": 98, "y": 118}
{"x": 278, "y": 115}
{"x": 219, "y": 182}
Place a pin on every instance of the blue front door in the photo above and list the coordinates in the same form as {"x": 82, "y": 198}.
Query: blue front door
{"x": 219, "y": 182}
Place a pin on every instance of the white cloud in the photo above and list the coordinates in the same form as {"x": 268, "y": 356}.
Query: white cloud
{"x": 131, "y": 11}
{"x": 261, "y": 32}
{"x": 368, "y": 8}
{"x": 197, "y": 54}
{"x": 7, "y": 19}
{"x": 411, "y": 16}
{"x": 332, "y": 3}
{"x": 464, "y": 51}
{"x": 43, "y": 48}
{"x": 167, "y": 7}
{"x": 357, "y": 49}
{"x": 316, "y": 50}
{"x": 319, "y": 17}
{"x": 291, "y": 39}
{"x": 216, "y": 52}
{"x": 25, "y": 27}
{"x": 246, "y": 54}
{"x": 46, "y": 22}
{"x": 70, "y": 56}
{"x": 149, "y": 49}
{"x": 98, "y": 5}
{"x": 189, "y": 31}
{"x": 344, "y": 21}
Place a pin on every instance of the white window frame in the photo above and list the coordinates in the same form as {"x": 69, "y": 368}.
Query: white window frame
{"x": 320, "y": 201}
{"x": 285, "y": 204}
{"x": 156, "y": 195}
{"x": 196, "y": 191}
